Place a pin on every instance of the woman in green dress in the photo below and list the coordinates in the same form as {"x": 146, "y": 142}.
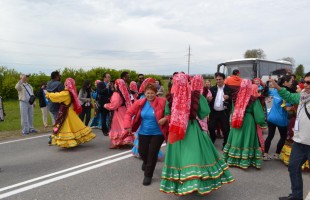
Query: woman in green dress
{"x": 242, "y": 148}
{"x": 192, "y": 163}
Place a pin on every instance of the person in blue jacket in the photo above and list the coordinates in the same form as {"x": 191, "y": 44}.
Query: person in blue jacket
{"x": 278, "y": 118}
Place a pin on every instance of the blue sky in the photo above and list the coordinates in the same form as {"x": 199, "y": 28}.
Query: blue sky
{"x": 149, "y": 36}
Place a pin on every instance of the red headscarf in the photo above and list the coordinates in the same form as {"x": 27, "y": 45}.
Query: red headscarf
{"x": 242, "y": 101}
{"x": 70, "y": 86}
{"x": 197, "y": 83}
{"x": 260, "y": 81}
{"x": 255, "y": 90}
{"x": 144, "y": 83}
{"x": 123, "y": 89}
{"x": 180, "y": 109}
{"x": 133, "y": 86}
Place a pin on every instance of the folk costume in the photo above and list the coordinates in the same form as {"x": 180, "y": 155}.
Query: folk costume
{"x": 120, "y": 102}
{"x": 192, "y": 163}
{"x": 69, "y": 131}
{"x": 135, "y": 148}
{"x": 197, "y": 84}
{"x": 243, "y": 148}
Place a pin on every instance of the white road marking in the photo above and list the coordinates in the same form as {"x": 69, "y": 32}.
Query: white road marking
{"x": 25, "y": 139}
{"x": 29, "y": 187}
{"x": 62, "y": 171}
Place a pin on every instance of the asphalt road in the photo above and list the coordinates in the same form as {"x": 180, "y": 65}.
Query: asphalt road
{"x": 33, "y": 170}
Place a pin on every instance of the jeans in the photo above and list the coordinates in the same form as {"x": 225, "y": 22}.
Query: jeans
{"x": 299, "y": 155}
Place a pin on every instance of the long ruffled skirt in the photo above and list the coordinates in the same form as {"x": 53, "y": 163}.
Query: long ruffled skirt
{"x": 193, "y": 165}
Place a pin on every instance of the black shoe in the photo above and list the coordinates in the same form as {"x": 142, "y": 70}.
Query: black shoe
{"x": 147, "y": 181}
{"x": 289, "y": 197}
{"x": 143, "y": 167}
{"x": 105, "y": 133}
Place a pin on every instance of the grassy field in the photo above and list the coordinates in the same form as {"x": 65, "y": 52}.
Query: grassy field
{"x": 11, "y": 126}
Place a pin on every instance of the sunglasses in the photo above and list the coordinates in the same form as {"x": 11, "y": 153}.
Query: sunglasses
{"x": 307, "y": 82}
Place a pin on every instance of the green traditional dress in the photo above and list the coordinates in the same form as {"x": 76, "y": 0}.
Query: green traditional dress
{"x": 242, "y": 148}
{"x": 193, "y": 164}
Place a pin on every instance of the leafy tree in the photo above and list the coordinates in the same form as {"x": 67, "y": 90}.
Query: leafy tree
{"x": 289, "y": 59}
{"x": 255, "y": 53}
{"x": 300, "y": 72}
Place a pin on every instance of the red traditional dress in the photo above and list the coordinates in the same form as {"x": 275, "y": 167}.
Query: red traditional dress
{"x": 120, "y": 102}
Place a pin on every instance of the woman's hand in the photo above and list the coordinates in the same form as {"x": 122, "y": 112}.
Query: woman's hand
{"x": 162, "y": 121}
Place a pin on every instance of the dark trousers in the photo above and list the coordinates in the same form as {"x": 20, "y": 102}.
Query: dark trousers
{"x": 86, "y": 110}
{"x": 271, "y": 131}
{"x": 219, "y": 117}
{"x": 299, "y": 155}
{"x": 149, "y": 146}
{"x": 104, "y": 113}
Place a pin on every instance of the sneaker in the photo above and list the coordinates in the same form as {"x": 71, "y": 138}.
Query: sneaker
{"x": 33, "y": 131}
{"x": 25, "y": 133}
{"x": 289, "y": 197}
{"x": 276, "y": 156}
{"x": 266, "y": 157}
{"x": 105, "y": 134}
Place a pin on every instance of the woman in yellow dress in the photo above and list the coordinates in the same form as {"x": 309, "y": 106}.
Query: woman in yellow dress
{"x": 69, "y": 131}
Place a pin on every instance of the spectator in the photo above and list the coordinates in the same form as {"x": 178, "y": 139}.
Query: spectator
{"x": 25, "y": 90}
{"x": 160, "y": 88}
{"x": 43, "y": 102}
{"x": 278, "y": 118}
{"x": 85, "y": 100}
{"x": 104, "y": 89}
{"x": 126, "y": 77}
{"x": 141, "y": 79}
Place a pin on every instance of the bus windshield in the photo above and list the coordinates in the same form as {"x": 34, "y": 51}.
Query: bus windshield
{"x": 245, "y": 69}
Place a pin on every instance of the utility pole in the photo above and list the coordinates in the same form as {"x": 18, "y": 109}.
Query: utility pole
{"x": 189, "y": 59}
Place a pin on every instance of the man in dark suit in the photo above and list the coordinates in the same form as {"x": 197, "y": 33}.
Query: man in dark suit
{"x": 105, "y": 91}
{"x": 220, "y": 105}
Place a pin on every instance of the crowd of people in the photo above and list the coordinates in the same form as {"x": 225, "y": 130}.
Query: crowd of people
{"x": 190, "y": 117}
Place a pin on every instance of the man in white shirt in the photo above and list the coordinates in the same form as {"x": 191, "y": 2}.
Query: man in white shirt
{"x": 220, "y": 105}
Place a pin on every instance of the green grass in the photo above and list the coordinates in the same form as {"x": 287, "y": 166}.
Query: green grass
{"x": 12, "y": 119}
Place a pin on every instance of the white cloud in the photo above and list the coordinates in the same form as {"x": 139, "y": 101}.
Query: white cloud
{"x": 149, "y": 36}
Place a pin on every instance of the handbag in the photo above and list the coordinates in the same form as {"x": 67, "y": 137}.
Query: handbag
{"x": 32, "y": 97}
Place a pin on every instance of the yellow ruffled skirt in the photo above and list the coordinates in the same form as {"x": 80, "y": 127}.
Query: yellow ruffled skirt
{"x": 73, "y": 132}
{"x": 285, "y": 155}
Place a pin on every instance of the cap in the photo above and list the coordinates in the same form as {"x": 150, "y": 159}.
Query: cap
{"x": 22, "y": 75}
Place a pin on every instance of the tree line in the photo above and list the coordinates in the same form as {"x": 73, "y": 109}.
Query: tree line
{"x": 9, "y": 78}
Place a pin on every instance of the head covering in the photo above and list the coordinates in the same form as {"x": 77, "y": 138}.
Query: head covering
{"x": 70, "y": 86}
{"x": 180, "y": 109}
{"x": 144, "y": 83}
{"x": 197, "y": 83}
{"x": 133, "y": 86}
{"x": 260, "y": 81}
{"x": 255, "y": 90}
{"x": 242, "y": 101}
{"x": 96, "y": 82}
{"x": 120, "y": 83}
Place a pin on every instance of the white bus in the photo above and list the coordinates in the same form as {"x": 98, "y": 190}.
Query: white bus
{"x": 254, "y": 67}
